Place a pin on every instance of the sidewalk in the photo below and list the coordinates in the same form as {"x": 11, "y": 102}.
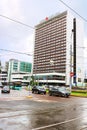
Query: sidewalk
{"x": 23, "y": 94}
{"x": 14, "y": 95}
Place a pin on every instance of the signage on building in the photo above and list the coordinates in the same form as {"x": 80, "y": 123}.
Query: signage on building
{"x": 71, "y": 74}
{"x": 46, "y": 18}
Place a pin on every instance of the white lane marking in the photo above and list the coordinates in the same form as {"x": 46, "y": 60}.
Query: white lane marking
{"x": 67, "y": 121}
{"x": 85, "y": 128}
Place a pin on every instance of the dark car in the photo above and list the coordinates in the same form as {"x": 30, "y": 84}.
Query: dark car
{"x": 1, "y": 86}
{"x": 38, "y": 89}
{"x": 5, "y": 89}
{"x": 59, "y": 91}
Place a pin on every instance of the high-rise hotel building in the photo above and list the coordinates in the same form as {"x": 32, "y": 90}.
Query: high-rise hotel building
{"x": 58, "y": 50}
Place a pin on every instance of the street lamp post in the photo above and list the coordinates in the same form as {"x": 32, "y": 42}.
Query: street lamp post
{"x": 52, "y": 64}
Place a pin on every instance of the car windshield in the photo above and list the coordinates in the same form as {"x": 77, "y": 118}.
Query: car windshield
{"x": 6, "y": 87}
{"x": 40, "y": 87}
{"x": 62, "y": 89}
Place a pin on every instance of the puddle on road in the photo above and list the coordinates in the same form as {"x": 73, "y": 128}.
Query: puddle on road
{"x": 44, "y": 117}
{"x": 17, "y": 123}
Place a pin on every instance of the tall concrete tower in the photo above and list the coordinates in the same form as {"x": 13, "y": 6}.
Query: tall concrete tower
{"x": 58, "y": 49}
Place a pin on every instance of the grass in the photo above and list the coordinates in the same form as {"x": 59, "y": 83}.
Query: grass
{"x": 79, "y": 93}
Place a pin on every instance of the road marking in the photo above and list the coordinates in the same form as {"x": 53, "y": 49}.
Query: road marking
{"x": 85, "y": 128}
{"x": 48, "y": 126}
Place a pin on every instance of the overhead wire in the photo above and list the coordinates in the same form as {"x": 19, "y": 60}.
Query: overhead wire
{"x": 16, "y": 52}
{"x": 16, "y": 21}
{"x": 73, "y": 10}
{"x": 19, "y": 22}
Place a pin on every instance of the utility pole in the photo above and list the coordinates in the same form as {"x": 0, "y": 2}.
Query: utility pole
{"x": 74, "y": 50}
{"x": 73, "y": 53}
{"x": 71, "y": 72}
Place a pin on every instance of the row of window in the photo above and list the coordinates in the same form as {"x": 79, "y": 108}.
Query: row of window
{"x": 50, "y": 47}
{"x": 55, "y": 56}
{"x": 55, "y": 40}
{"x": 62, "y": 56}
{"x": 50, "y": 33}
{"x": 57, "y": 71}
{"x": 49, "y": 78}
{"x": 51, "y": 69}
{"x": 49, "y": 50}
{"x": 50, "y": 37}
{"x": 57, "y": 65}
{"x": 52, "y": 25}
{"x": 44, "y": 59}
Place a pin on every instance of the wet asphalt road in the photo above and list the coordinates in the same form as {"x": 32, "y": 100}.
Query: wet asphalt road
{"x": 37, "y": 114}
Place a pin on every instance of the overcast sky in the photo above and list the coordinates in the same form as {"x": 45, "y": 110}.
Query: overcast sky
{"x": 16, "y": 37}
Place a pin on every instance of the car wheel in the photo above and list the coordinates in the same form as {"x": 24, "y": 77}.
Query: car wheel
{"x": 50, "y": 94}
{"x": 59, "y": 95}
{"x": 38, "y": 92}
{"x": 44, "y": 93}
{"x": 66, "y": 96}
{"x": 32, "y": 91}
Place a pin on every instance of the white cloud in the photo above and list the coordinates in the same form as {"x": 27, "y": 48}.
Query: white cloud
{"x": 85, "y": 41}
{"x": 25, "y": 45}
{"x": 11, "y": 9}
{"x": 85, "y": 53}
{"x": 17, "y": 37}
{"x": 29, "y": 44}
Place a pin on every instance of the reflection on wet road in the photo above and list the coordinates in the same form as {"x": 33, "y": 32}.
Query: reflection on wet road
{"x": 33, "y": 115}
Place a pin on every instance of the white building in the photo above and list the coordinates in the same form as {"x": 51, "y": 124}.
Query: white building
{"x": 79, "y": 49}
{"x": 3, "y": 76}
{"x": 59, "y": 39}
{"x": 19, "y": 71}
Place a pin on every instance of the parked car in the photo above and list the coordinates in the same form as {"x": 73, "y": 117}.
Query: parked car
{"x": 60, "y": 91}
{"x": 1, "y": 86}
{"x": 16, "y": 87}
{"x": 5, "y": 89}
{"x": 39, "y": 90}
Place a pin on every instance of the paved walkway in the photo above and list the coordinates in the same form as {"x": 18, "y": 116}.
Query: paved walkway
{"x": 14, "y": 94}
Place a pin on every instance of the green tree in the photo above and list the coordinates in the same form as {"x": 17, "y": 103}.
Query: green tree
{"x": 33, "y": 81}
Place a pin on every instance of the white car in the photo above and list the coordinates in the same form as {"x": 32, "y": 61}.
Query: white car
{"x": 5, "y": 89}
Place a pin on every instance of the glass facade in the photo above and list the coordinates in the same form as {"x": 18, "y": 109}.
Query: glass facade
{"x": 50, "y": 77}
{"x": 15, "y": 66}
{"x": 25, "y": 67}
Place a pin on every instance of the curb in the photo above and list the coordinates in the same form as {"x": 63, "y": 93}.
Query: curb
{"x": 28, "y": 96}
{"x": 79, "y": 96}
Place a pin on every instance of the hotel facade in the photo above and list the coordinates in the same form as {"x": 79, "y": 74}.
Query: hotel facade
{"x": 58, "y": 50}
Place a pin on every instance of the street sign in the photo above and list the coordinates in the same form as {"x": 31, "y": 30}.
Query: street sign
{"x": 71, "y": 74}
